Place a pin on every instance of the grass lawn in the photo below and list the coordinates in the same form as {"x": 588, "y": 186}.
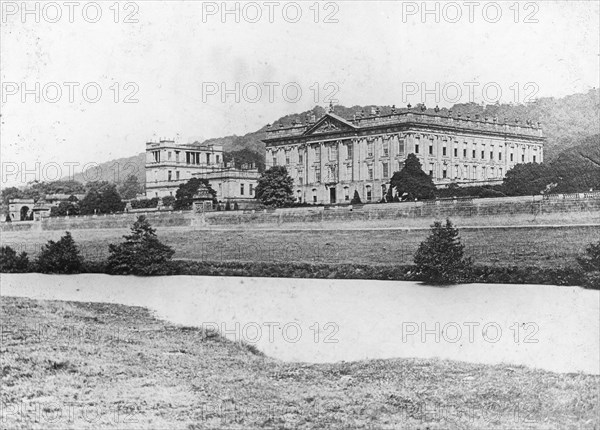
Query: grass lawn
{"x": 531, "y": 246}
{"x": 78, "y": 365}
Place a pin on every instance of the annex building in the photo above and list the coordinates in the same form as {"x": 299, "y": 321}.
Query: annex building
{"x": 169, "y": 165}
{"x": 331, "y": 157}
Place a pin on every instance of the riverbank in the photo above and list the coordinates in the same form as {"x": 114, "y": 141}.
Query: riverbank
{"x": 91, "y": 365}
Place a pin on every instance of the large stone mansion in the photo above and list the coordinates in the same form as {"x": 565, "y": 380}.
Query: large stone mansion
{"x": 332, "y": 157}
{"x": 169, "y": 165}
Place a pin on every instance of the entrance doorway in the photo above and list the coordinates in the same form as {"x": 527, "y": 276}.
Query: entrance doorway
{"x": 332, "y": 195}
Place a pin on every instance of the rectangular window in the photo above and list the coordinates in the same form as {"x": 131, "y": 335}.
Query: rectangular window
{"x": 299, "y": 181}
{"x": 218, "y": 159}
{"x": 482, "y": 155}
{"x": 431, "y": 170}
{"x": 369, "y": 149}
{"x": 177, "y": 175}
{"x": 349, "y": 149}
{"x": 274, "y": 161}
{"x": 169, "y": 155}
{"x": 207, "y": 158}
{"x": 474, "y": 153}
{"x": 287, "y": 159}
{"x": 369, "y": 194}
{"x": 333, "y": 152}
{"x": 241, "y": 189}
{"x": 300, "y": 158}
{"x": 444, "y": 173}
{"x": 318, "y": 174}
{"x": 416, "y": 148}
{"x": 534, "y": 158}
{"x": 346, "y": 194}
{"x": 386, "y": 172}
{"x": 444, "y": 151}
{"x": 401, "y": 143}
{"x": 177, "y": 156}
{"x": 386, "y": 148}
{"x": 251, "y": 190}
{"x": 169, "y": 175}
{"x": 491, "y": 155}
{"x": 511, "y": 156}
{"x": 465, "y": 153}
{"x": 430, "y": 149}
{"x": 500, "y": 156}
{"x": 349, "y": 171}
{"x": 474, "y": 172}
{"x": 456, "y": 152}
{"x": 370, "y": 172}
{"x": 523, "y": 158}
{"x": 318, "y": 153}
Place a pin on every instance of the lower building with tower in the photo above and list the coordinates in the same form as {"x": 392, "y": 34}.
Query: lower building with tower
{"x": 332, "y": 157}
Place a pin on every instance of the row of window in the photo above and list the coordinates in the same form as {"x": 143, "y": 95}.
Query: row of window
{"x": 385, "y": 151}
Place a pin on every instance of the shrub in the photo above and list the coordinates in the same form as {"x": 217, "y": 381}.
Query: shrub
{"x": 62, "y": 257}
{"x": 227, "y": 206}
{"x": 439, "y": 258}
{"x": 590, "y": 264}
{"x": 141, "y": 254}
{"x": 355, "y": 199}
{"x": 10, "y": 262}
{"x": 168, "y": 201}
{"x": 8, "y": 219}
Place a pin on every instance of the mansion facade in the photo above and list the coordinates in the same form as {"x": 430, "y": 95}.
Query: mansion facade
{"x": 332, "y": 157}
{"x": 169, "y": 165}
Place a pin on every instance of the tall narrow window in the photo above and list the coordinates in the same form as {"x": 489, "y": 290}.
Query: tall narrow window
{"x": 300, "y": 157}
{"x": 169, "y": 175}
{"x": 370, "y": 149}
{"x": 317, "y": 173}
{"x": 349, "y": 149}
{"x": 416, "y": 148}
{"x": 386, "y": 172}
{"x": 241, "y": 189}
{"x": 177, "y": 175}
{"x": 274, "y": 161}
{"x": 401, "y": 144}
{"x": 386, "y": 148}
{"x": 370, "y": 172}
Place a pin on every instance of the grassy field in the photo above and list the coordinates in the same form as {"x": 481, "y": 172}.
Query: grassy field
{"x": 539, "y": 246}
{"x": 77, "y": 365}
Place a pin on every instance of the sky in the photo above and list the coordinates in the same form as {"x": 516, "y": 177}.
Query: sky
{"x": 92, "y": 82}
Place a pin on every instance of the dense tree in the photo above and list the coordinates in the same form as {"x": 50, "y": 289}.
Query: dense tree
{"x": 440, "y": 257}
{"x": 61, "y": 257}
{"x": 528, "y": 179}
{"x": 141, "y": 254}
{"x": 67, "y": 208}
{"x": 130, "y": 187}
{"x": 185, "y": 193}
{"x": 101, "y": 199}
{"x": 412, "y": 182}
{"x": 274, "y": 188}
{"x": 10, "y": 262}
{"x": 11, "y": 193}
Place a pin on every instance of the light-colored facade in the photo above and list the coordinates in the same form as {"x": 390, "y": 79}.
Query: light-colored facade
{"x": 169, "y": 165}
{"x": 331, "y": 158}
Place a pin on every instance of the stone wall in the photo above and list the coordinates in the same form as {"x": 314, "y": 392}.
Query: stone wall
{"x": 477, "y": 208}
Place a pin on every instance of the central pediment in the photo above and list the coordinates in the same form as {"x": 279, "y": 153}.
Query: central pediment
{"x": 330, "y": 123}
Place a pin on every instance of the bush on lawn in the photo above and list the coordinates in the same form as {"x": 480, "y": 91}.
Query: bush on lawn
{"x": 590, "y": 264}
{"x": 440, "y": 257}
{"x": 62, "y": 257}
{"x": 10, "y": 262}
{"x": 141, "y": 254}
